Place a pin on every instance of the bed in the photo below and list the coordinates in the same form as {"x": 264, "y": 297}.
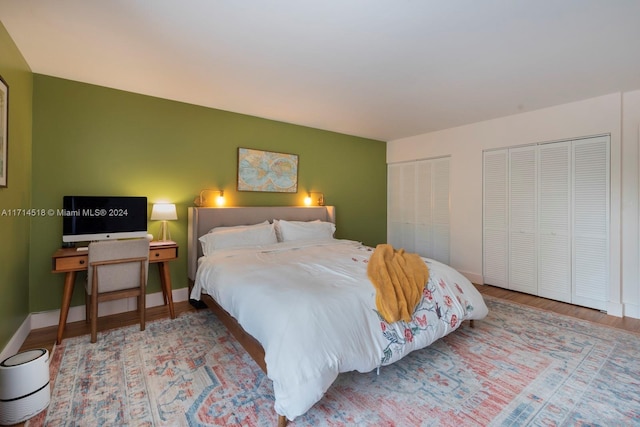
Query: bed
{"x": 301, "y": 304}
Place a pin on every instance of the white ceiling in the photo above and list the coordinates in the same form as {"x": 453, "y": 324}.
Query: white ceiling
{"x": 382, "y": 69}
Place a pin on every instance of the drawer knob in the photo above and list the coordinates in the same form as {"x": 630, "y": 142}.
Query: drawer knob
{"x": 157, "y": 254}
{"x": 81, "y": 262}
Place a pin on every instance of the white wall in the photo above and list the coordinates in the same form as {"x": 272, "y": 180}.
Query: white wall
{"x": 630, "y": 203}
{"x": 596, "y": 116}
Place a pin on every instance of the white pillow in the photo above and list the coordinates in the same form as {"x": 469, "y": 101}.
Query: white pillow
{"x": 238, "y": 237}
{"x": 236, "y": 227}
{"x": 276, "y": 223}
{"x": 301, "y": 230}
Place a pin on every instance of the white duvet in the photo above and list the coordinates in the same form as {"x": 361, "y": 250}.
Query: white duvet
{"x": 312, "y": 307}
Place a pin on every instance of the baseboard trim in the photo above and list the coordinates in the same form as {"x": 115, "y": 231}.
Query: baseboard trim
{"x": 615, "y": 309}
{"x": 473, "y": 277}
{"x": 14, "y": 344}
{"x": 50, "y": 318}
{"x": 45, "y": 319}
{"x": 632, "y": 310}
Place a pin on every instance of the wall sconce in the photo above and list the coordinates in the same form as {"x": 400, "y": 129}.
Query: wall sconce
{"x": 206, "y": 198}
{"x": 309, "y": 199}
{"x": 164, "y": 212}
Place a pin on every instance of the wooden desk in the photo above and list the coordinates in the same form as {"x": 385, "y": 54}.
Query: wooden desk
{"x": 71, "y": 260}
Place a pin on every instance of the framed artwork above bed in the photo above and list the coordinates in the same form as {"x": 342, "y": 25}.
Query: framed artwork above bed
{"x": 268, "y": 171}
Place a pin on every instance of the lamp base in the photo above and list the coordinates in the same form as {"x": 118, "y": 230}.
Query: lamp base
{"x": 165, "y": 235}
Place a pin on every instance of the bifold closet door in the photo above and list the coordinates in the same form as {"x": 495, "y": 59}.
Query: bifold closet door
{"x": 523, "y": 253}
{"x": 495, "y": 221}
{"x": 554, "y": 219}
{"x": 546, "y": 220}
{"x": 440, "y": 210}
{"x": 401, "y": 205}
{"x": 423, "y": 234}
{"x": 591, "y": 222}
{"x": 418, "y": 207}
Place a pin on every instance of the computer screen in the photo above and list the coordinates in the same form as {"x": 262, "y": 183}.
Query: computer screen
{"x": 89, "y": 218}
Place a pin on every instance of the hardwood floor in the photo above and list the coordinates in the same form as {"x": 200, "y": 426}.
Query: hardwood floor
{"x": 589, "y": 314}
{"x": 45, "y": 337}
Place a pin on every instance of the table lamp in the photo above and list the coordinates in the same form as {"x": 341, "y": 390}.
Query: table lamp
{"x": 164, "y": 212}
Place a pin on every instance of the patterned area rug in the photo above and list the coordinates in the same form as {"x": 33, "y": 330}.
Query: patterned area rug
{"x": 519, "y": 366}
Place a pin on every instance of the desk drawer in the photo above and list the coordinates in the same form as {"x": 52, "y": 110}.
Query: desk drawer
{"x": 71, "y": 263}
{"x": 163, "y": 254}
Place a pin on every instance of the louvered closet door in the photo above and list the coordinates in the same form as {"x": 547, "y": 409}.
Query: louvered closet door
{"x": 418, "y": 207}
{"x": 423, "y": 233}
{"x": 554, "y": 216}
{"x": 522, "y": 220}
{"x": 495, "y": 218}
{"x": 440, "y": 210}
{"x": 590, "y": 222}
{"x": 394, "y": 225}
{"x": 401, "y": 205}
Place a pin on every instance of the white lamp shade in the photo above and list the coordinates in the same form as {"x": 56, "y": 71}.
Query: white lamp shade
{"x": 164, "y": 212}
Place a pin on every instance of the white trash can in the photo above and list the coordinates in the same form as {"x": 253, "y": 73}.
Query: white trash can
{"x": 24, "y": 386}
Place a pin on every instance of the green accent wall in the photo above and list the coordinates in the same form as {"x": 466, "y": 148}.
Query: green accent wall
{"x": 14, "y": 227}
{"x": 92, "y": 140}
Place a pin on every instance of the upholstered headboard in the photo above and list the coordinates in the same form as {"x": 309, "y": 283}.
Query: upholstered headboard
{"x": 201, "y": 220}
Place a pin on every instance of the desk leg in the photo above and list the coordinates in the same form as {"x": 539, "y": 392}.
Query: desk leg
{"x": 165, "y": 280}
{"x": 69, "y": 282}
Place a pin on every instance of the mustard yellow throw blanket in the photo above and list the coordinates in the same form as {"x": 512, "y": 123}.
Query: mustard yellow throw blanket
{"x": 399, "y": 278}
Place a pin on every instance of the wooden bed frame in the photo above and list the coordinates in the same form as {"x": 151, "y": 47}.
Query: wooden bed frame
{"x": 201, "y": 220}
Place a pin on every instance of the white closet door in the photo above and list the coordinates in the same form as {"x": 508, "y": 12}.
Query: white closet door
{"x": 394, "y": 219}
{"x": 401, "y": 205}
{"x": 440, "y": 210}
{"x": 522, "y": 220}
{"x": 408, "y": 209}
{"x": 554, "y": 216}
{"x": 423, "y": 233}
{"x": 418, "y": 207}
{"x": 590, "y": 222}
{"x": 495, "y": 218}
